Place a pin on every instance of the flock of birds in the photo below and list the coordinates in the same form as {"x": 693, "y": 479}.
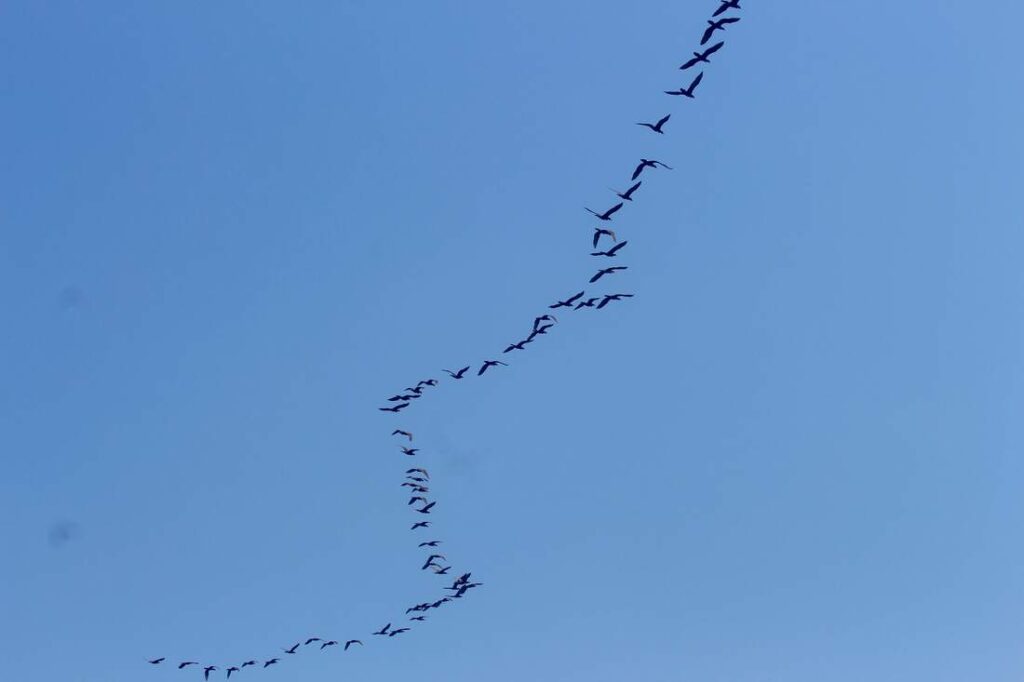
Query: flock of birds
{"x": 417, "y": 479}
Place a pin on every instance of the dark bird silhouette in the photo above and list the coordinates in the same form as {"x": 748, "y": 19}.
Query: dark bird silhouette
{"x": 644, "y": 163}
{"x": 436, "y": 556}
{"x": 383, "y": 630}
{"x": 441, "y": 571}
{"x": 353, "y": 641}
{"x": 232, "y": 669}
{"x": 418, "y": 390}
{"x": 155, "y": 661}
{"x": 419, "y": 618}
{"x": 417, "y": 499}
{"x": 185, "y": 664}
{"x": 517, "y": 346}
{"x": 426, "y": 508}
{"x": 612, "y": 251}
{"x": 400, "y": 432}
{"x": 543, "y": 318}
{"x": 432, "y": 543}
{"x": 396, "y": 408}
{"x": 410, "y": 451}
{"x": 248, "y": 663}
{"x": 569, "y": 301}
{"x": 417, "y": 471}
{"x": 410, "y": 396}
{"x": 311, "y": 640}
{"x": 292, "y": 650}
{"x": 397, "y": 632}
{"x": 326, "y": 644}
{"x": 599, "y": 231}
{"x": 421, "y": 524}
{"x": 718, "y": 25}
{"x": 272, "y": 661}
{"x": 589, "y": 303}
{"x": 688, "y": 92}
{"x": 539, "y": 330}
{"x": 628, "y": 194}
{"x": 426, "y": 382}
{"x": 612, "y": 297}
{"x": 490, "y": 363}
{"x": 607, "y": 271}
{"x": 607, "y": 215}
{"x": 207, "y": 670}
{"x": 726, "y": 6}
{"x": 418, "y": 479}
{"x": 458, "y": 375}
{"x": 699, "y": 57}
{"x": 656, "y": 127}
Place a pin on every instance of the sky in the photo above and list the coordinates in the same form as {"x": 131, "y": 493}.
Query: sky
{"x": 229, "y": 231}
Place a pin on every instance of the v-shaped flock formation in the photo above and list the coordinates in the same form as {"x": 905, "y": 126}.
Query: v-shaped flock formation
{"x": 417, "y": 479}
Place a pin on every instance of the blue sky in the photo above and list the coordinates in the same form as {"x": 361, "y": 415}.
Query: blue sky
{"x": 229, "y": 231}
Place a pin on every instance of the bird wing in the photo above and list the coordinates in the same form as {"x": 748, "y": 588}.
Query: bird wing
{"x": 723, "y": 8}
{"x": 707, "y": 34}
{"x": 713, "y": 49}
{"x": 729, "y": 20}
{"x": 636, "y": 174}
{"x": 576, "y": 297}
{"x": 663, "y": 121}
{"x": 696, "y": 81}
{"x": 613, "y": 209}
{"x": 614, "y": 249}
{"x": 688, "y": 64}
{"x": 598, "y": 276}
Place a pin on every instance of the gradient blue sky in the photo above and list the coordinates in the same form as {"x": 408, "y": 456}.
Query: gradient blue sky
{"x": 228, "y": 230}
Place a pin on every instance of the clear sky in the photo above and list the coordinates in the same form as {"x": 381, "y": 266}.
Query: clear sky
{"x": 228, "y": 231}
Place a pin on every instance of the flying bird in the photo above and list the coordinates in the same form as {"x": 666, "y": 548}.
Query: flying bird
{"x": 248, "y": 663}
{"x": 426, "y": 508}
{"x": 185, "y": 664}
{"x": 628, "y": 194}
{"x": 271, "y": 662}
{"x": 458, "y": 375}
{"x": 420, "y": 524}
{"x": 569, "y": 301}
{"x": 726, "y": 6}
{"x": 410, "y": 451}
{"x": 426, "y": 382}
{"x": 292, "y": 650}
{"x": 645, "y": 163}
{"x": 416, "y": 499}
{"x": 612, "y": 251}
{"x": 232, "y": 669}
{"x": 353, "y": 641}
{"x": 543, "y": 329}
{"x": 419, "y": 618}
{"x": 311, "y": 640}
{"x": 656, "y": 127}
{"x": 207, "y": 670}
{"x": 607, "y": 271}
{"x": 400, "y": 432}
{"x": 589, "y": 303}
{"x": 688, "y": 92}
{"x": 397, "y": 632}
{"x": 490, "y": 363}
{"x": 607, "y": 215}
{"x": 441, "y": 571}
{"x": 517, "y": 346}
{"x": 718, "y": 25}
{"x": 326, "y": 644}
{"x": 156, "y": 661}
{"x": 418, "y": 470}
{"x": 612, "y": 297}
{"x": 543, "y": 318}
{"x": 432, "y": 543}
{"x": 396, "y": 398}
{"x": 383, "y": 630}
{"x": 396, "y": 408}
{"x": 598, "y": 231}
{"x": 699, "y": 57}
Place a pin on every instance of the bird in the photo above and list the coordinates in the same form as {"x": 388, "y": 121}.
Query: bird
{"x": 544, "y": 318}
{"x": 353, "y": 641}
{"x": 607, "y": 271}
{"x": 589, "y": 303}
{"x": 421, "y": 524}
{"x": 718, "y": 25}
{"x": 569, "y": 301}
{"x": 419, "y": 618}
{"x": 699, "y": 57}
{"x": 232, "y": 669}
{"x": 436, "y": 556}
{"x": 517, "y": 346}
{"x": 383, "y": 630}
{"x": 612, "y": 297}
{"x": 410, "y": 451}
{"x": 628, "y": 194}
{"x": 417, "y": 470}
{"x": 441, "y": 571}
{"x": 326, "y": 644}
{"x": 612, "y": 251}
{"x": 607, "y": 215}
{"x": 598, "y": 231}
{"x": 432, "y": 543}
{"x": 400, "y": 432}
{"x": 397, "y": 632}
{"x": 426, "y": 508}
{"x": 292, "y": 650}
{"x": 396, "y": 398}
{"x": 248, "y": 663}
{"x": 458, "y": 375}
{"x": 490, "y": 363}
{"x": 207, "y": 670}
{"x": 726, "y": 6}
{"x": 185, "y": 664}
{"x": 429, "y": 564}
{"x": 271, "y": 662}
{"x": 311, "y": 640}
{"x": 396, "y": 408}
{"x": 688, "y": 92}
{"x": 415, "y": 389}
{"x": 426, "y": 382}
{"x": 417, "y": 499}
{"x": 156, "y": 661}
{"x": 656, "y": 127}
{"x": 539, "y": 330}
{"x": 645, "y": 163}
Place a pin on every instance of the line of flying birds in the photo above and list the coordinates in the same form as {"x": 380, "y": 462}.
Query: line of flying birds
{"x": 417, "y": 478}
